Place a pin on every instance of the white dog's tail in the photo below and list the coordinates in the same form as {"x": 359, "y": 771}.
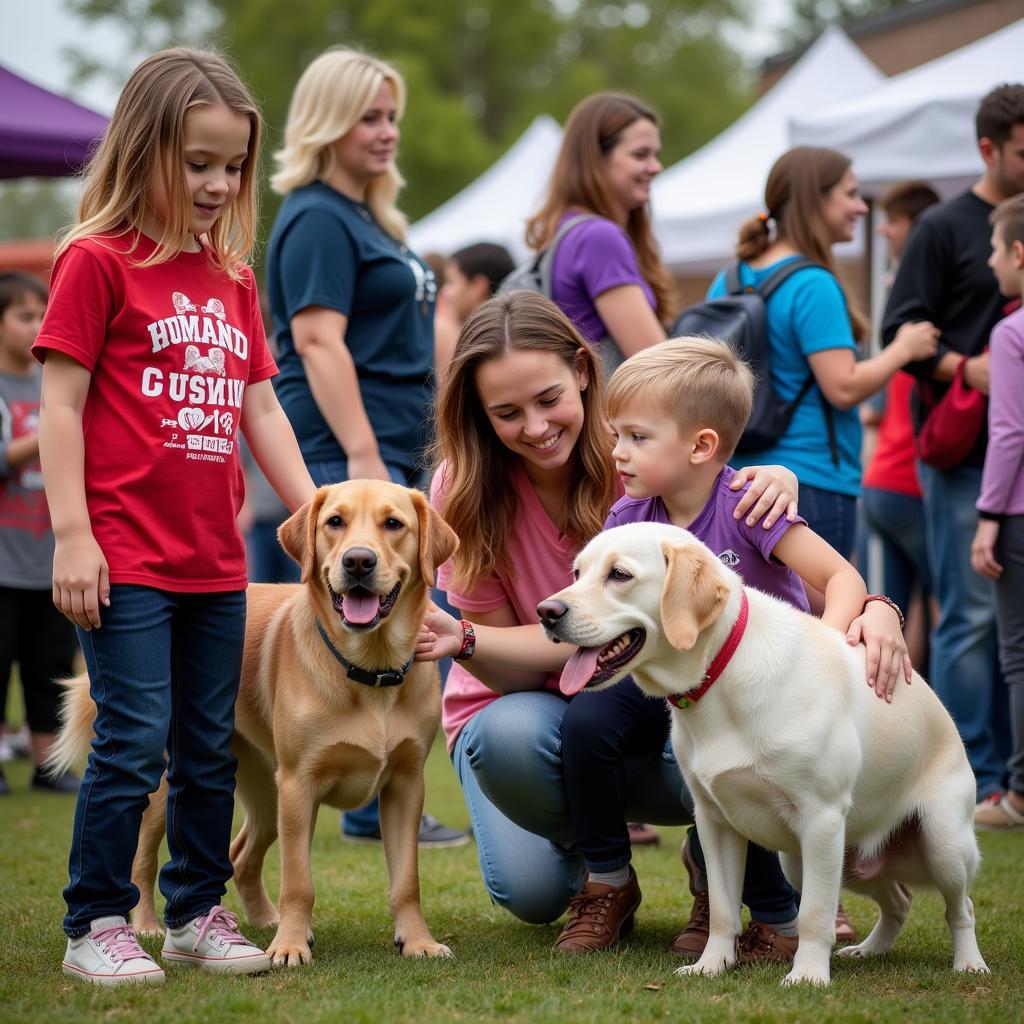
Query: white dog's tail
{"x": 77, "y": 713}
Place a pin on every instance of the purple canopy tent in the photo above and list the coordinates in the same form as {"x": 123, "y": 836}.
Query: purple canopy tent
{"x": 43, "y": 134}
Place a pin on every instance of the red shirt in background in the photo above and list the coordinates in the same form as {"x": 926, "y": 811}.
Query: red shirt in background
{"x": 893, "y": 466}
{"x": 171, "y": 348}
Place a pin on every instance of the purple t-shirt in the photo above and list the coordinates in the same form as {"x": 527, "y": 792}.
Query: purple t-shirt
{"x": 745, "y": 549}
{"x": 593, "y": 257}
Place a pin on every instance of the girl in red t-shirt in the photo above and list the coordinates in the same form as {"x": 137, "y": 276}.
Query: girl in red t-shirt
{"x": 154, "y": 356}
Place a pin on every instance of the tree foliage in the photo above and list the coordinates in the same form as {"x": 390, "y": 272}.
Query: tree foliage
{"x": 809, "y": 17}
{"x": 477, "y": 72}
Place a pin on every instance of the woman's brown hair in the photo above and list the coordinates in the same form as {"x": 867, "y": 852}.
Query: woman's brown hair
{"x": 594, "y": 128}
{"x": 797, "y": 186}
{"x": 480, "y": 503}
{"x": 145, "y": 137}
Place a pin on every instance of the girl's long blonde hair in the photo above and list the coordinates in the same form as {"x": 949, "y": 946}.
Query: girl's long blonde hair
{"x": 146, "y": 137}
{"x": 480, "y": 503}
{"x": 331, "y": 96}
{"x": 794, "y": 193}
{"x": 594, "y": 128}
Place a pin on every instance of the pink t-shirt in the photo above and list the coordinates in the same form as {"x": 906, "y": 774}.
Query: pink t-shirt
{"x": 538, "y": 564}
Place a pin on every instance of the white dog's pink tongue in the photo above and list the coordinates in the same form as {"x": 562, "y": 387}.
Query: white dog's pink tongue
{"x": 359, "y": 607}
{"x": 579, "y": 670}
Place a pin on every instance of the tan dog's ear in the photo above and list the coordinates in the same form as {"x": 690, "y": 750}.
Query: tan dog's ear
{"x": 438, "y": 541}
{"x": 694, "y": 593}
{"x": 297, "y": 534}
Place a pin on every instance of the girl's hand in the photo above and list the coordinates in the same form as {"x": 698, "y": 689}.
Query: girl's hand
{"x": 886, "y": 659}
{"x": 81, "y": 580}
{"x": 772, "y": 493}
{"x": 440, "y": 635}
{"x": 983, "y": 557}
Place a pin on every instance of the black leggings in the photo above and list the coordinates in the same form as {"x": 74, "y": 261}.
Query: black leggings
{"x": 36, "y": 636}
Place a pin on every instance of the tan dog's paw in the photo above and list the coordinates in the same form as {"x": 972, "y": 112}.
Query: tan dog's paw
{"x": 265, "y": 917}
{"x": 422, "y": 947}
{"x": 147, "y": 924}
{"x": 289, "y": 951}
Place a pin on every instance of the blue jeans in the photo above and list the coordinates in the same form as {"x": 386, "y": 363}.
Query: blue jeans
{"x": 163, "y": 671}
{"x": 508, "y": 758}
{"x": 364, "y": 821}
{"x": 964, "y": 670}
{"x": 268, "y": 561}
{"x": 899, "y": 522}
{"x": 831, "y": 515}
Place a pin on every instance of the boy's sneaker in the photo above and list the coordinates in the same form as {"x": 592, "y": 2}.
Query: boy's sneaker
{"x": 214, "y": 942}
{"x": 110, "y": 955}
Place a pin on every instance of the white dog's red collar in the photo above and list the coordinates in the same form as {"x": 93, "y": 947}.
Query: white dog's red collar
{"x": 717, "y": 667}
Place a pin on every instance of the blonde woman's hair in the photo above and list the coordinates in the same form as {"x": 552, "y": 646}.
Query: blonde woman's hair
{"x": 699, "y": 382}
{"x": 480, "y": 503}
{"x": 146, "y": 137}
{"x": 331, "y": 96}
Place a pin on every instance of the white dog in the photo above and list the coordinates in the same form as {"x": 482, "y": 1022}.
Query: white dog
{"x": 780, "y": 741}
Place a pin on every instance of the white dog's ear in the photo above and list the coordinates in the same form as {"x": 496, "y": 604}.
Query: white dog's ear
{"x": 694, "y": 593}
{"x": 438, "y": 541}
{"x": 297, "y": 534}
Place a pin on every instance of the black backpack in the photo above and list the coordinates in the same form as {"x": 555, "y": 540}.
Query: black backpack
{"x": 740, "y": 318}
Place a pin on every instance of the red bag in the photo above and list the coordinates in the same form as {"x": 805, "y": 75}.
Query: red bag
{"x": 953, "y": 424}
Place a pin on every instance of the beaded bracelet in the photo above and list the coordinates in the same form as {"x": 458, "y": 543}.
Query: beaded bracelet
{"x": 890, "y": 602}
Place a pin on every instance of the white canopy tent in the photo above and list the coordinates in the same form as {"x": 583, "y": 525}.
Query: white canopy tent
{"x": 919, "y": 124}
{"x": 699, "y": 203}
{"x": 495, "y": 207}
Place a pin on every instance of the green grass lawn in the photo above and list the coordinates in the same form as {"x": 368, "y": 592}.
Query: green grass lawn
{"x": 503, "y": 970}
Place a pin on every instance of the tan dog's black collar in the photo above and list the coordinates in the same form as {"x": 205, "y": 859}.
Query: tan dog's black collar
{"x": 386, "y": 677}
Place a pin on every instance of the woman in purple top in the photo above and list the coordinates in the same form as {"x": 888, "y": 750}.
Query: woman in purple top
{"x": 607, "y": 276}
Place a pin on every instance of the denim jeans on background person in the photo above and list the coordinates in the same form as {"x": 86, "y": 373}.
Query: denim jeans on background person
{"x": 268, "y": 561}
{"x": 831, "y": 515}
{"x": 964, "y": 671}
{"x": 164, "y": 671}
{"x": 898, "y": 521}
{"x": 1010, "y": 615}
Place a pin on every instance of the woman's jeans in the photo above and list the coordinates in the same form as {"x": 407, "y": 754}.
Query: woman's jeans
{"x": 509, "y": 761}
{"x": 164, "y": 670}
{"x": 898, "y": 520}
{"x": 831, "y": 515}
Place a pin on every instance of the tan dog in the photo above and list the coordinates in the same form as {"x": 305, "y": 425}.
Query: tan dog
{"x": 368, "y": 552}
{"x": 788, "y": 746}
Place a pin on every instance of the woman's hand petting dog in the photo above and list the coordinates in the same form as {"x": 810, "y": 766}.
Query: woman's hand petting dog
{"x": 886, "y": 657}
{"x": 440, "y": 635}
{"x": 773, "y": 490}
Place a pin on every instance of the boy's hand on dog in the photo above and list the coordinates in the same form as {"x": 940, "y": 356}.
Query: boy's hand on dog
{"x": 886, "y": 657}
{"x": 440, "y": 635}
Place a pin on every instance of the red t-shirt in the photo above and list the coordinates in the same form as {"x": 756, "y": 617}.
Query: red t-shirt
{"x": 893, "y": 467}
{"x": 170, "y": 348}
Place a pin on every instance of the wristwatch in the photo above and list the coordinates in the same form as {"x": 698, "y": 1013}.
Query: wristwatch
{"x": 468, "y": 648}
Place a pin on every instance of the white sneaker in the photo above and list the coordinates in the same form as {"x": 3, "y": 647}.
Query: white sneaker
{"x": 110, "y": 955}
{"x": 214, "y": 942}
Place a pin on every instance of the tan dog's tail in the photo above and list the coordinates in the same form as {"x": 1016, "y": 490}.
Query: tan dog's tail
{"x": 77, "y": 713}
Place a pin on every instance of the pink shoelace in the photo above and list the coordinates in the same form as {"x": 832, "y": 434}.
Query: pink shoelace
{"x": 223, "y": 923}
{"x": 120, "y": 942}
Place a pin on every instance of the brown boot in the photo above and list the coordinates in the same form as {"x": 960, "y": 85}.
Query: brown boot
{"x": 762, "y": 944}
{"x": 690, "y": 942}
{"x": 599, "y": 916}
{"x": 844, "y": 927}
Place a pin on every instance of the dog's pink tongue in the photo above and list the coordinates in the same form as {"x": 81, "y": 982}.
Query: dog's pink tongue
{"x": 360, "y": 607}
{"x": 579, "y": 670}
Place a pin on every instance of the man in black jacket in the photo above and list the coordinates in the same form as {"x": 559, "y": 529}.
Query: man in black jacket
{"x": 944, "y": 278}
